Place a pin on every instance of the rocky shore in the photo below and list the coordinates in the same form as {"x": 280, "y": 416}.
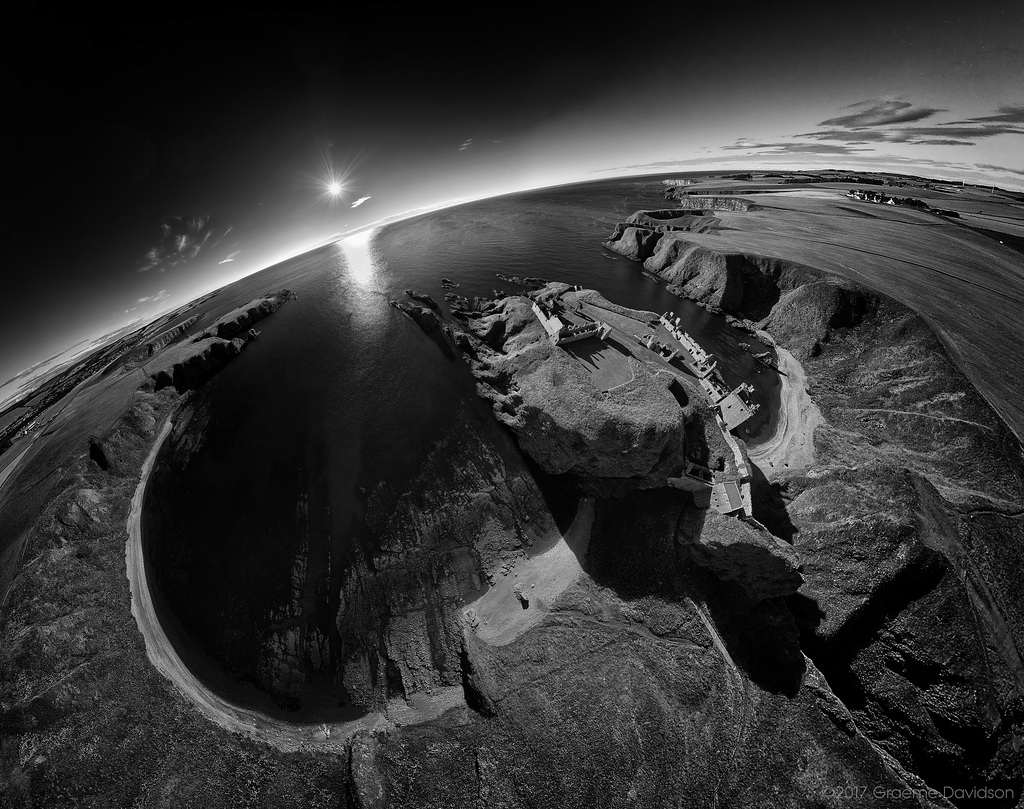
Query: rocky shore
{"x": 188, "y": 365}
{"x": 548, "y": 621}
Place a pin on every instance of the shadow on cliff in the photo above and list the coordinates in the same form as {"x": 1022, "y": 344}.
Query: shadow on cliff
{"x": 759, "y": 633}
{"x": 770, "y": 506}
{"x": 634, "y": 552}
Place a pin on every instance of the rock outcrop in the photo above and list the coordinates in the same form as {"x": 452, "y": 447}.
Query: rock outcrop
{"x": 186, "y": 366}
{"x": 804, "y": 318}
{"x": 739, "y": 284}
{"x": 170, "y": 335}
{"x": 633, "y": 242}
{"x": 634, "y": 435}
{"x": 424, "y": 317}
{"x": 239, "y": 320}
{"x": 704, "y": 203}
{"x": 423, "y": 298}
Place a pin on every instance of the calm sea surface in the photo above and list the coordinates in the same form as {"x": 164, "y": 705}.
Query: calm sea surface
{"x": 342, "y": 391}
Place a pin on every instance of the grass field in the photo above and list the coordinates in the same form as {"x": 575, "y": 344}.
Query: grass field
{"x": 967, "y": 285}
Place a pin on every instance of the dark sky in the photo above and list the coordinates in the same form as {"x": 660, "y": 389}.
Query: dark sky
{"x": 142, "y": 150}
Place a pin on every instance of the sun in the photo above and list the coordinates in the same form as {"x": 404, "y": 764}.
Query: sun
{"x": 334, "y": 188}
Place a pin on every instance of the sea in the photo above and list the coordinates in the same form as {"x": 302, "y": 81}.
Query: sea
{"x": 342, "y": 391}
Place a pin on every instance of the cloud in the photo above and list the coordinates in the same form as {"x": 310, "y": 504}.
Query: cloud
{"x": 466, "y": 144}
{"x": 924, "y": 135}
{"x": 181, "y": 240}
{"x": 1008, "y": 114}
{"x": 873, "y": 124}
{"x": 230, "y": 256}
{"x": 359, "y": 202}
{"x": 992, "y": 167}
{"x": 150, "y": 299}
{"x": 881, "y": 112}
{"x": 787, "y": 147}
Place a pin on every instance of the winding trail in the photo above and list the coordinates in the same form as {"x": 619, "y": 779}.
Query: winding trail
{"x": 791, "y": 446}
{"x": 286, "y": 736}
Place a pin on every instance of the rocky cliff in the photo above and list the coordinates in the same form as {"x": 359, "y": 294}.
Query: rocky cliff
{"x": 239, "y": 320}
{"x": 635, "y": 435}
{"x": 679, "y": 669}
{"x": 188, "y": 365}
{"x": 904, "y": 524}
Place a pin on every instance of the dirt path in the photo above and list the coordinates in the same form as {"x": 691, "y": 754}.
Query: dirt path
{"x": 285, "y": 736}
{"x": 499, "y": 617}
{"x": 791, "y": 446}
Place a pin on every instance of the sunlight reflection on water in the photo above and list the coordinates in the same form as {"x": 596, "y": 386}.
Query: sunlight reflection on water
{"x": 357, "y": 254}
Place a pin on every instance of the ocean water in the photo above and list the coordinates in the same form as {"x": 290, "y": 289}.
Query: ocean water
{"x": 342, "y": 391}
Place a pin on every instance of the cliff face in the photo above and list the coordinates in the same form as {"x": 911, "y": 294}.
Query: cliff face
{"x": 644, "y": 664}
{"x": 473, "y": 510}
{"x": 244, "y": 317}
{"x": 189, "y": 365}
{"x": 692, "y": 202}
{"x": 736, "y": 283}
{"x": 909, "y": 501}
{"x": 905, "y": 527}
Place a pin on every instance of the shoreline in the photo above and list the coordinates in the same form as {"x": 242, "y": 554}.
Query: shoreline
{"x": 285, "y": 736}
{"x": 791, "y": 445}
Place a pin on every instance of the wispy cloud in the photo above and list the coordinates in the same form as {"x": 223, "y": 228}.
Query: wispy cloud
{"x": 992, "y": 167}
{"x": 1007, "y": 114}
{"x": 881, "y": 112}
{"x": 884, "y": 121}
{"x": 149, "y": 300}
{"x": 466, "y": 144}
{"x": 229, "y": 257}
{"x": 761, "y": 148}
{"x": 925, "y": 135}
{"x": 181, "y": 240}
{"x": 360, "y": 201}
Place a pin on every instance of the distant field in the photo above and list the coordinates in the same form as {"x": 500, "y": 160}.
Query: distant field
{"x": 966, "y": 284}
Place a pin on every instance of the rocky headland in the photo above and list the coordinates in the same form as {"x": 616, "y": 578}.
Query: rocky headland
{"x": 904, "y": 521}
{"x": 593, "y": 633}
{"x": 188, "y": 365}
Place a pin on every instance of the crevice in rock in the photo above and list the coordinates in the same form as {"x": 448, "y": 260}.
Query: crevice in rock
{"x": 475, "y": 697}
{"x": 97, "y": 453}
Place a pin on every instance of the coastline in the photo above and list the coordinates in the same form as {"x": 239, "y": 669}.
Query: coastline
{"x": 285, "y": 736}
{"x": 791, "y": 445}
